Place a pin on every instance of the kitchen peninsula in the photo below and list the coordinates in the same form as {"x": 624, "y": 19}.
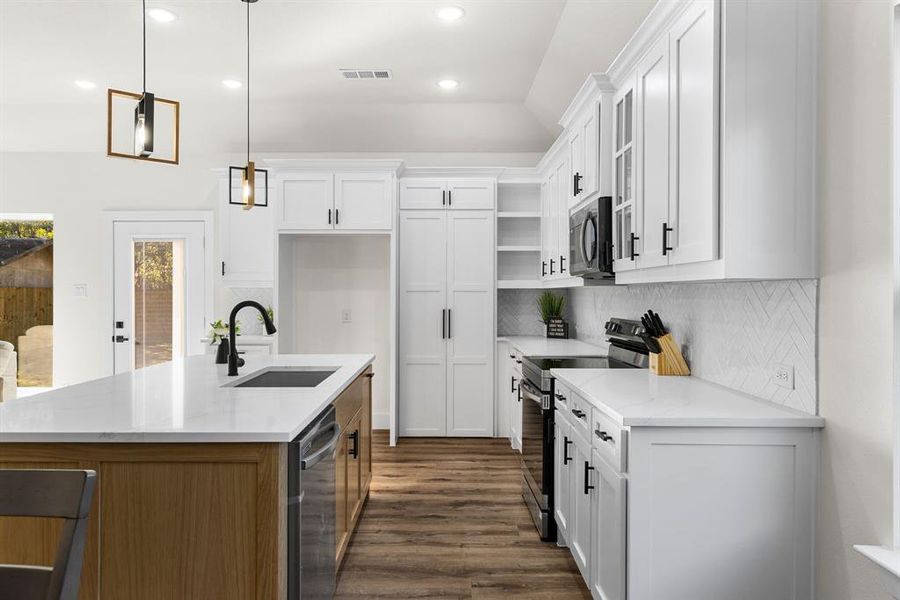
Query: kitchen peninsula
{"x": 192, "y": 471}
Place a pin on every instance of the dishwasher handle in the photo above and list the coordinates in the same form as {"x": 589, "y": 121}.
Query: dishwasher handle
{"x": 317, "y": 456}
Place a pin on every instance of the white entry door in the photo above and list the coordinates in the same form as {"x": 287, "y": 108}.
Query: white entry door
{"x": 159, "y": 291}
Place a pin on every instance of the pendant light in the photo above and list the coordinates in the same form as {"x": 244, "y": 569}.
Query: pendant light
{"x": 143, "y": 112}
{"x": 248, "y": 173}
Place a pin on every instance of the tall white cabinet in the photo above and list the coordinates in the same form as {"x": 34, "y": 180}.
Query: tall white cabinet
{"x": 447, "y": 290}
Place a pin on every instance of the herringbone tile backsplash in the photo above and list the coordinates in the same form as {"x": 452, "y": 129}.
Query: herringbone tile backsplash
{"x": 735, "y": 332}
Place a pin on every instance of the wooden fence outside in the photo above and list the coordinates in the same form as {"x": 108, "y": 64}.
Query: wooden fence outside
{"x": 21, "y": 308}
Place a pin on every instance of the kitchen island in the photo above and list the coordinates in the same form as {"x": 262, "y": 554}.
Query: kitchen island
{"x": 192, "y": 472}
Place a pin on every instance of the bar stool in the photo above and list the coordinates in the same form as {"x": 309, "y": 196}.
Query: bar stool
{"x": 47, "y": 493}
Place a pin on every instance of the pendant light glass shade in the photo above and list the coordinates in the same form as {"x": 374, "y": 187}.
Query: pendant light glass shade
{"x": 248, "y": 197}
{"x": 143, "y": 125}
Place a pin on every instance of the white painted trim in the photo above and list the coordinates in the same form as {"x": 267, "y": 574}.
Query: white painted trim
{"x": 451, "y": 172}
{"x": 895, "y": 181}
{"x": 14, "y": 216}
{"x": 888, "y": 562}
{"x": 593, "y": 86}
{"x": 393, "y": 165}
{"x": 110, "y": 218}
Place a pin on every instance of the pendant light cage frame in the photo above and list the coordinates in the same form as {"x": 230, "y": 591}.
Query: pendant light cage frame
{"x": 243, "y": 175}
{"x": 112, "y": 95}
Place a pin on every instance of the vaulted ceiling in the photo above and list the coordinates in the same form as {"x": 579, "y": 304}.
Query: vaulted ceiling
{"x": 519, "y": 62}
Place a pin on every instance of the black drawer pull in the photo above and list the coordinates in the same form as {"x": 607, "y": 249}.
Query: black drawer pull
{"x": 578, "y": 413}
{"x": 665, "y": 241}
{"x": 354, "y": 450}
{"x": 587, "y": 477}
{"x": 566, "y": 442}
{"x": 603, "y": 435}
{"x": 512, "y": 384}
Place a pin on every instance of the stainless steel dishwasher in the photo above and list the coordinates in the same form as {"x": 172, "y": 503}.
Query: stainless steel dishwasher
{"x": 311, "y": 509}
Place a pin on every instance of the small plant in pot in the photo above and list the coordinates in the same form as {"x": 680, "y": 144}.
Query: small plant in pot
{"x": 552, "y": 307}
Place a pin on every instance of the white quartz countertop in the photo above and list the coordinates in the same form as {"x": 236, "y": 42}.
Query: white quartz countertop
{"x": 532, "y": 345}
{"x": 637, "y": 398}
{"x": 180, "y": 401}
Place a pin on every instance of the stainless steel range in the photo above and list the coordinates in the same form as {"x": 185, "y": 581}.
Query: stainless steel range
{"x": 626, "y": 351}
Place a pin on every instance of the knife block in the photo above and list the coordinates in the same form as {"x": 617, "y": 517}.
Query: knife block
{"x": 670, "y": 361}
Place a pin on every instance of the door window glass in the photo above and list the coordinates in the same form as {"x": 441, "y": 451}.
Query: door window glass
{"x": 158, "y": 301}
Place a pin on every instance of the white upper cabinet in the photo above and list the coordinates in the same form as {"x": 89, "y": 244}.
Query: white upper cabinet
{"x": 626, "y": 237}
{"x": 363, "y": 201}
{"x": 423, "y": 194}
{"x": 448, "y": 194}
{"x": 710, "y": 200}
{"x": 307, "y": 201}
{"x": 563, "y": 198}
{"x": 246, "y": 239}
{"x": 694, "y": 198}
{"x": 311, "y": 201}
{"x": 652, "y": 171}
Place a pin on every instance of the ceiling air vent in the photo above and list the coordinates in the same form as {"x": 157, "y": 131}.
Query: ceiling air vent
{"x": 366, "y": 73}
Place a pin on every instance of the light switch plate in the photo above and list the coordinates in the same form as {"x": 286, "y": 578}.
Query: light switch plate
{"x": 79, "y": 290}
{"x": 346, "y": 317}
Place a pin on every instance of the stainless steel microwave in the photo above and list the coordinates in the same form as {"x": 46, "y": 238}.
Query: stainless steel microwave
{"x": 590, "y": 240}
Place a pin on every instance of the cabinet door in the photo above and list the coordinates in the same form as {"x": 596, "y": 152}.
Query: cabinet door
{"x": 363, "y": 201}
{"x": 307, "y": 201}
{"x": 694, "y": 202}
{"x": 247, "y": 242}
{"x": 470, "y": 194}
{"x": 354, "y": 468}
{"x": 422, "y": 303}
{"x": 608, "y": 567}
{"x": 576, "y": 166}
{"x": 590, "y": 135}
{"x": 653, "y": 153}
{"x": 563, "y": 464}
{"x": 564, "y": 200}
{"x": 470, "y": 323}
{"x": 548, "y": 231}
{"x": 515, "y": 400}
{"x": 626, "y": 224}
{"x": 423, "y": 194}
{"x": 365, "y": 439}
{"x": 581, "y": 483}
{"x": 504, "y": 383}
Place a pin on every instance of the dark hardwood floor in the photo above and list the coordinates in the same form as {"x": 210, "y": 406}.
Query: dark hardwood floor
{"x": 445, "y": 519}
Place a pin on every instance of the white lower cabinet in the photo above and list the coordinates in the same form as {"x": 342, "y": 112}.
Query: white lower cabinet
{"x": 447, "y": 325}
{"x": 702, "y": 513}
{"x": 608, "y": 541}
{"x": 562, "y": 505}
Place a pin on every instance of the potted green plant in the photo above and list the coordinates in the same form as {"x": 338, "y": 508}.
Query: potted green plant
{"x": 552, "y": 307}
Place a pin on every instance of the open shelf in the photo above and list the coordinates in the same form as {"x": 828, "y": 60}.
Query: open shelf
{"x": 514, "y": 214}
{"x": 518, "y": 248}
{"x": 519, "y": 197}
{"x": 519, "y": 284}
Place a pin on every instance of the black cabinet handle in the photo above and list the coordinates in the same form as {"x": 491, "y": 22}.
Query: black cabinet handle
{"x": 223, "y": 268}
{"x": 443, "y": 197}
{"x": 518, "y": 362}
{"x": 449, "y": 197}
{"x": 578, "y": 413}
{"x": 633, "y": 253}
{"x": 449, "y": 324}
{"x": 587, "y": 477}
{"x": 562, "y": 263}
{"x": 665, "y": 243}
{"x": 443, "y": 323}
{"x": 119, "y": 339}
{"x": 552, "y": 262}
{"x": 337, "y": 216}
{"x": 603, "y": 435}
{"x": 512, "y": 384}
{"x": 329, "y": 216}
{"x": 566, "y": 442}
{"x": 354, "y": 450}
{"x": 513, "y": 356}
{"x": 560, "y": 397}
{"x": 577, "y": 180}
{"x": 543, "y": 268}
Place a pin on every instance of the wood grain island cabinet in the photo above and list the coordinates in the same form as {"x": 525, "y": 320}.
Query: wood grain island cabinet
{"x": 189, "y": 520}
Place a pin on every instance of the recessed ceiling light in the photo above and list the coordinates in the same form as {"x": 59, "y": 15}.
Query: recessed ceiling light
{"x": 232, "y": 84}
{"x": 85, "y": 84}
{"x": 450, "y": 13}
{"x": 448, "y": 84}
{"x": 161, "y": 15}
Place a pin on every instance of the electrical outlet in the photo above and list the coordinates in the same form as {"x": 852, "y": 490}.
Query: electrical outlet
{"x": 345, "y": 316}
{"x": 783, "y": 375}
{"x": 79, "y": 290}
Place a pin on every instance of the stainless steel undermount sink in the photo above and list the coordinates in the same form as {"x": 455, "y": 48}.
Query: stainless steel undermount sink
{"x": 286, "y": 377}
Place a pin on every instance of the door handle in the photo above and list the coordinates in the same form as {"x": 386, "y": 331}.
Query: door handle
{"x": 665, "y": 241}
{"x": 566, "y": 457}
{"x": 587, "y": 477}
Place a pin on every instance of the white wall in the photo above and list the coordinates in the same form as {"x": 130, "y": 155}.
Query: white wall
{"x": 855, "y": 295}
{"x": 333, "y": 273}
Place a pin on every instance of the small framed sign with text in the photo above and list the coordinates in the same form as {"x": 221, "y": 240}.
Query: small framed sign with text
{"x": 557, "y": 327}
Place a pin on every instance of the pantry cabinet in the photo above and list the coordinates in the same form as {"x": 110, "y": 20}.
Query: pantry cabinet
{"x": 444, "y": 194}
{"x": 321, "y": 201}
{"x": 447, "y": 291}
